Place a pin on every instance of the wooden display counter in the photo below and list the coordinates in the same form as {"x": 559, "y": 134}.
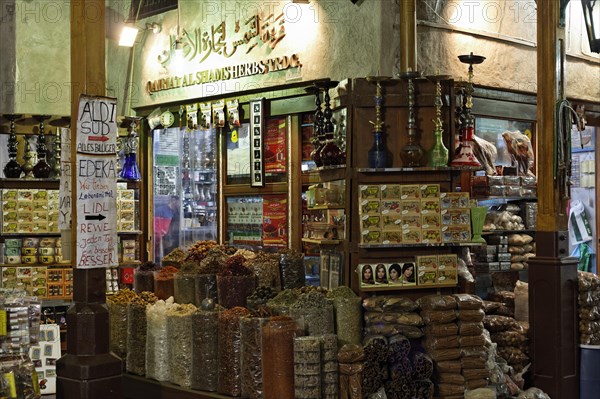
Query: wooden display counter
{"x": 136, "y": 387}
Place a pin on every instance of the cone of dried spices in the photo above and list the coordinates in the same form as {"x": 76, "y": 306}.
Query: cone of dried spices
{"x": 164, "y": 282}
{"x": 157, "y": 348}
{"x": 251, "y": 356}
{"x": 117, "y": 312}
{"x": 235, "y": 283}
{"x": 291, "y": 264}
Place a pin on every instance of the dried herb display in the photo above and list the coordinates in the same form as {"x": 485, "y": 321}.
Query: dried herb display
{"x": 424, "y": 389}
{"x": 251, "y": 357}
{"x": 143, "y": 277}
{"x": 184, "y": 287}
{"x": 205, "y": 350}
{"x": 163, "y": 282}
{"x": 283, "y": 301}
{"x": 260, "y": 297}
{"x": 291, "y": 264}
{"x": 348, "y": 316}
{"x": 180, "y": 338}
{"x": 198, "y": 250}
{"x": 117, "y": 312}
{"x": 375, "y": 367}
{"x": 157, "y": 347}
{"x": 229, "y": 351}
{"x": 232, "y": 291}
{"x": 315, "y": 312}
{"x": 278, "y": 357}
{"x": 174, "y": 258}
{"x": 206, "y": 287}
{"x": 136, "y": 332}
{"x": 307, "y": 367}
{"x": 266, "y": 268}
{"x": 422, "y": 365}
{"x": 213, "y": 262}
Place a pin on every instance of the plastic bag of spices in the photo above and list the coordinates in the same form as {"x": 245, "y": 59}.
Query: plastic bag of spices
{"x": 291, "y": 265}
{"x": 205, "y": 350}
{"x": 164, "y": 282}
{"x": 348, "y": 320}
{"x": 184, "y": 287}
{"x": 136, "y": 333}
{"x": 157, "y": 349}
{"x": 117, "y": 313}
{"x": 315, "y": 312}
{"x": 143, "y": 277}
{"x": 251, "y": 356}
{"x": 229, "y": 351}
{"x": 206, "y": 287}
{"x": 236, "y": 283}
{"x": 180, "y": 338}
{"x": 278, "y": 357}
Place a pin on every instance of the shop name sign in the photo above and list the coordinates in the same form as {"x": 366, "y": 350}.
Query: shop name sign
{"x": 239, "y": 37}
{"x": 225, "y": 73}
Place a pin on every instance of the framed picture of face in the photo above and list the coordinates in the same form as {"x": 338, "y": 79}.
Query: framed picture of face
{"x": 367, "y": 276}
{"x": 381, "y": 274}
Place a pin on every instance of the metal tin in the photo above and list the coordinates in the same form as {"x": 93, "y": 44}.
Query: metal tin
{"x": 31, "y": 242}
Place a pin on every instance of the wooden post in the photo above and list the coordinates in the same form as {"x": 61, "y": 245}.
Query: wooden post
{"x": 88, "y": 370}
{"x": 552, "y": 275}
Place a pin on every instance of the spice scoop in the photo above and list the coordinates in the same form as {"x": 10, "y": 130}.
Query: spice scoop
{"x": 207, "y": 303}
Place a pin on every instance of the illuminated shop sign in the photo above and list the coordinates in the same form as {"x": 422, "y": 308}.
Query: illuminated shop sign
{"x": 199, "y": 44}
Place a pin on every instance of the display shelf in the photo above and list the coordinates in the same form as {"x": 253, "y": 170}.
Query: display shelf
{"x": 406, "y": 287}
{"x": 498, "y": 197}
{"x": 49, "y": 265}
{"x": 136, "y": 387}
{"x": 417, "y": 245}
{"x": 418, "y": 169}
{"x": 132, "y": 233}
{"x": 56, "y": 302}
{"x": 26, "y": 234}
{"x": 321, "y": 242}
{"x": 507, "y": 231}
{"x": 326, "y": 207}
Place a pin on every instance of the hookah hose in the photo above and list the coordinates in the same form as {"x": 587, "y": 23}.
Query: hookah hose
{"x": 562, "y": 146}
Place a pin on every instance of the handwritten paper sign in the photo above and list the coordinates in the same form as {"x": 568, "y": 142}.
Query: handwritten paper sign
{"x": 65, "y": 189}
{"x": 97, "y": 126}
{"x": 96, "y": 187}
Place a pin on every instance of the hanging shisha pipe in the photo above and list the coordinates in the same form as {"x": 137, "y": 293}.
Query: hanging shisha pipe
{"x": 464, "y": 155}
{"x": 130, "y": 169}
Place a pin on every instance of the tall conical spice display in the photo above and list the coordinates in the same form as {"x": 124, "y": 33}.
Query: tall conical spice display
{"x": 378, "y": 155}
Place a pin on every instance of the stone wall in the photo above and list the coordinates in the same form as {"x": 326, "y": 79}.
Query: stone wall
{"x": 332, "y": 38}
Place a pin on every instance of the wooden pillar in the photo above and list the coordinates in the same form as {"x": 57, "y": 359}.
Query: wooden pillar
{"x": 408, "y": 35}
{"x": 552, "y": 275}
{"x": 88, "y": 370}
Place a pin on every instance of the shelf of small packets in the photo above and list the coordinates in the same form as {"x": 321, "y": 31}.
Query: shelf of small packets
{"x": 44, "y": 355}
{"x": 30, "y": 211}
{"x": 19, "y": 330}
{"x": 395, "y": 214}
{"x": 128, "y": 209}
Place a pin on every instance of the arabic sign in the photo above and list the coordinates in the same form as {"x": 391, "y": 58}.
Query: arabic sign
{"x": 256, "y": 31}
{"x": 96, "y": 183}
{"x": 65, "y": 189}
{"x": 225, "y": 73}
{"x": 96, "y": 125}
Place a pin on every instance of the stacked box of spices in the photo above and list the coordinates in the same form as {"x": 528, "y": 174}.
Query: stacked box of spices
{"x": 329, "y": 370}
{"x": 29, "y": 211}
{"x": 437, "y": 269}
{"x": 126, "y": 210}
{"x": 307, "y": 367}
